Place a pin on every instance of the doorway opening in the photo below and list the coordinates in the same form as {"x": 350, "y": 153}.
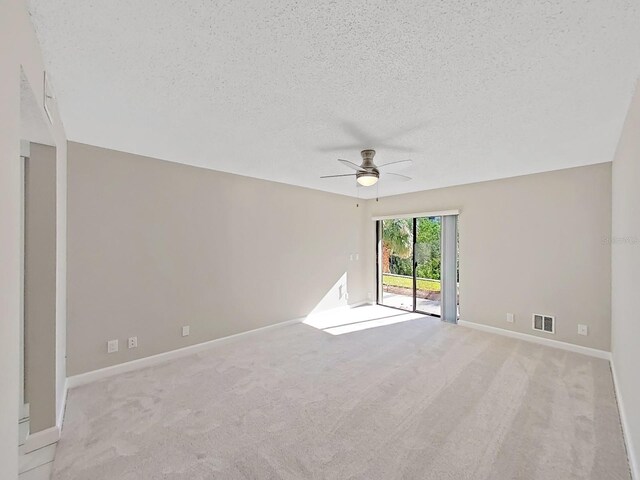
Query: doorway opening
{"x": 38, "y": 363}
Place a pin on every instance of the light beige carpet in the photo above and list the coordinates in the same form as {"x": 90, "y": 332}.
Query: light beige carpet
{"x": 418, "y": 399}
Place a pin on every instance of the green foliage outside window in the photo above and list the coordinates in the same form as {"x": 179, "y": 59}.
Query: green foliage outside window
{"x": 397, "y": 254}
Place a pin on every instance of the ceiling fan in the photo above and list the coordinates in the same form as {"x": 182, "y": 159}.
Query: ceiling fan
{"x": 368, "y": 173}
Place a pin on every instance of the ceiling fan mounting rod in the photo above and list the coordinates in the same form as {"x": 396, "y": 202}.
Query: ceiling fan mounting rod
{"x": 367, "y": 158}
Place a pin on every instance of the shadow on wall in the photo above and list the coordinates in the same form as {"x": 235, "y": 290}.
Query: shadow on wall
{"x": 337, "y": 296}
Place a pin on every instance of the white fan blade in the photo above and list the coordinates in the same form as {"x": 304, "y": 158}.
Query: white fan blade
{"x": 343, "y": 175}
{"x": 399, "y": 163}
{"x": 351, "y": 165}
{"x": 397, "y": 176}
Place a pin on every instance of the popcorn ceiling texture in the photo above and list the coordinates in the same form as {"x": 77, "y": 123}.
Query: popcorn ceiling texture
{"x": 470, "y": 90}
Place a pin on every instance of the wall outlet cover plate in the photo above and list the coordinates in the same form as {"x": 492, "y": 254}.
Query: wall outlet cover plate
{"x": 112, "y": 346}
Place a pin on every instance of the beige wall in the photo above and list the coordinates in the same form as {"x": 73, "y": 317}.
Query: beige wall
{"x": 20, "y": 50}
{"x": 40, "y": 287}
{"x": 535, "y": 243}
{"x": 155, "y": 245}
{"x": 10, "y": 228}
{"x": 625, "y": 247}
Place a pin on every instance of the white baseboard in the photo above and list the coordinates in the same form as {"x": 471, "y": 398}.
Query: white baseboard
{"x": 63, "y": 407}
{"x": 592, "y": 352}
{"x": 40, "y": 439}
{"x": 84, "y": 378}
{"x": 361, "y": 304}
{"x": 24, "y": 411}
{"x": 43, "y": 472}
{"x": 633, "y": 461}
{"x": 30, "y": 464}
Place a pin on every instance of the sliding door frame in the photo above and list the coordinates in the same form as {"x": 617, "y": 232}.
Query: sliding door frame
{"x": 378, "y": 261}
{"x": 379, "y": 286}
{"x": 414, "y": 265}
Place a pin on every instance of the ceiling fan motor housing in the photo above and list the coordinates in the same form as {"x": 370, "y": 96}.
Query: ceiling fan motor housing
{"x": 369, "y": 167}
{"x": 367, "y": 158}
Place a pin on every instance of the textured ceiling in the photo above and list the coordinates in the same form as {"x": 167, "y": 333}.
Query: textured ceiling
{"x": 280, "y": 89}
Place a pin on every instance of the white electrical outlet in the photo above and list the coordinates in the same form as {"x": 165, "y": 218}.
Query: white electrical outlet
{"x": 510, "y": 318}
{"x": 112, "y": 346}
{"x": 133, "y": 342}
{"x": 185, "y": 331}
{"x": 583, "y": 330}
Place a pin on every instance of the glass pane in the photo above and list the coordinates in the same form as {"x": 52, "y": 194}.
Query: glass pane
{"x": 428, "y": 265}
{"x": 396, "y": 257}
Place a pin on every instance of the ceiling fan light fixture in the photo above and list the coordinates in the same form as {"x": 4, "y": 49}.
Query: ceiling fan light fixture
{"x": 367, "y": 179}
{"x": 368, "y": 173}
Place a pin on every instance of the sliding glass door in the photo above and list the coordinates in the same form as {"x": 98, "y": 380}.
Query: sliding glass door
{"x": 428, "y": 263}
{"x": 396, "y": 263}
{"x": 417, "y": 265}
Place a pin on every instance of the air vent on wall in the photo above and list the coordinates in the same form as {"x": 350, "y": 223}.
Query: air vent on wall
{"x": 544, "y": 323}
